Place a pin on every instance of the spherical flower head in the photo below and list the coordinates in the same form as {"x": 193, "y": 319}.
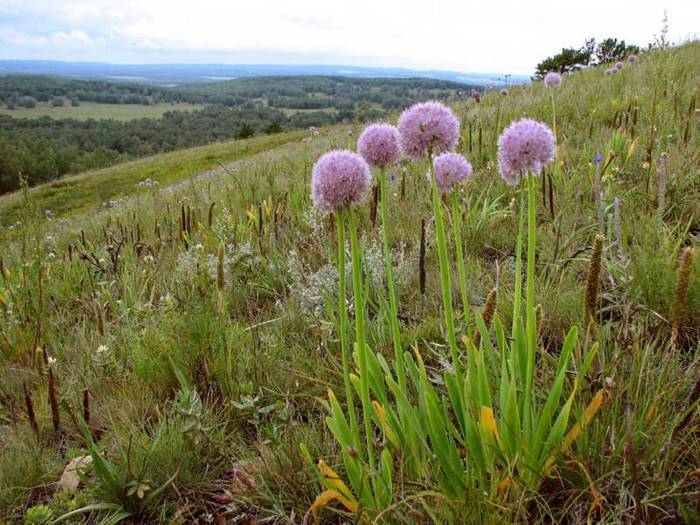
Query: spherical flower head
{"x": 379, "y": 145}
{"x": 451, "y": 169}
{"x": 552, "y": 79}
{"x": 632, "y": 58}
{"x": 427, "y": 126}
{"x": 610, "y": 71}
{"x": 525, "y": 145}
{"x": 619, "y": 65}
{"x": 339, "y": 178}
{"x": 504, "y": 92}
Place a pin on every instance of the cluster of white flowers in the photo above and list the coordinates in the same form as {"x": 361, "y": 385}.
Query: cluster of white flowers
{"x": 224, "y": 226}
{"x": 311, "y": 289}
{"x": 404, "y": 262}
{"x": 313, "y": 218}
{"x": 103, "y": 355}
{"x": 147, "y": 183}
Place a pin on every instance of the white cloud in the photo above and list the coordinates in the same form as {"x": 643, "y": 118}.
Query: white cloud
{"x": 504, "y": 36}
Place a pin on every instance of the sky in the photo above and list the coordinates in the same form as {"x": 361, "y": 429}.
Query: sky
{"x": 505, "y": 36}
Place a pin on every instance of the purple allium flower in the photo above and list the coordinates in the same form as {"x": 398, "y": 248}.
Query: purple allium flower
{"x": 504, "y": 92}
{"x": 632, "y": 58}
{"x": 598, "y": 158}
{"x": 379, "y": 145}
{"x": 525, "y": 145}
{"x": 451, "y": 169}
{"x": 619, "y": 65}
{"x": 610, "y": 71}
{"x": 427, "y": 126}
{"x": 552, "y": 79}
{"x": 339, "y": 178}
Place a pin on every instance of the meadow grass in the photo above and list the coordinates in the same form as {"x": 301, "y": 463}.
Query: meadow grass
{"x": 206, "y": 368}
{"x": 97, "y": 110}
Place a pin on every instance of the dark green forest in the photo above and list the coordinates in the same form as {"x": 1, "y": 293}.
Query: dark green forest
{"x": 42, "y": 149}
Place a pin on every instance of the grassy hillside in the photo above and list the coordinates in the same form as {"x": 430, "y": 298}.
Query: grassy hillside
{"x": 96, "y": 110}
{"x": 186, "y": 339}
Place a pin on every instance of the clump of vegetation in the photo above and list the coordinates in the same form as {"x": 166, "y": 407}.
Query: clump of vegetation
{"x": 467, "y": 348}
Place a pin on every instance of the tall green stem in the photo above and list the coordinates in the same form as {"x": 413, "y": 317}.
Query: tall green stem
{"x": 393, "y": 299}
{"x": 359, "y": 295}
{"x": 461, "y": 270}
{"x": 554, "y": 115}
{"x": 531, "y": 322}
{"x": 517, "y": 298}
{"x": 343, "y": 325}
{"x": 445, "y": 280}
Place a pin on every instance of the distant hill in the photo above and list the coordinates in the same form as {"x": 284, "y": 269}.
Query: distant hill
{"x": 175, "y": 74}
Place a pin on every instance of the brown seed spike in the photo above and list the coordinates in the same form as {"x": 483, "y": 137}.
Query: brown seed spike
{"x": 680, "y": 297}
{"x": 30, "y": 409}
{"x": 53, "y": 403}
{"x": 487, "y": 313}
{"x": 590, "y": 299}
{"x": 86, "y": 406}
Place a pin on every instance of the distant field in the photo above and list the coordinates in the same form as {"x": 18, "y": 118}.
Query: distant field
{"x": 95, "y": 110}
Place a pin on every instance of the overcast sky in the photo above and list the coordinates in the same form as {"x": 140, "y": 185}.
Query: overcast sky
{"x": 506, "y": 36}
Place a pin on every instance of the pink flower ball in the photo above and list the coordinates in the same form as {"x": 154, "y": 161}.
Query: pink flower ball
{"x": 619, "y": 65}
{"x": 339, "y": 178}
{"x": 504, "y": 92}
{"x": 525, "y": 145}
{"x": 552, "y": 79}
{"x": 379, "y": 145}
{"x": 427, "y": 127}
{"x": 632, "y": 58}
{"x": 451, "y": 169}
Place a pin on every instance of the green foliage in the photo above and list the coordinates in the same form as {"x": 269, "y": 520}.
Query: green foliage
{"x": 258, "y": 353}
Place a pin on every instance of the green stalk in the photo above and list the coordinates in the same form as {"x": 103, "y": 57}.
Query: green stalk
{"x": 461, "y": 270}
{"x": 517, "y": 298}
{"x": 445, "y": 280}
{"x": 393, "y": 299}
{"x": 531, "y": 319}
{"x": 358, "y": 292}
{"x": 343, "y": 326}
{"x": 554, "y": 115}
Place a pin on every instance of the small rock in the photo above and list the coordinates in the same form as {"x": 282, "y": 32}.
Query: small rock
{"x": 69, "y": 479}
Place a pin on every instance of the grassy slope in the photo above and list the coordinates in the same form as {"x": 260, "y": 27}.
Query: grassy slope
{"x": 95, "y": 110}
{"x": 262, "y": 353}
{"x": 84, "y": 192}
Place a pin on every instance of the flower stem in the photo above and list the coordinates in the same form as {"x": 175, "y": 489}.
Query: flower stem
{"x": 531, "y": 316}
{"x": 517, "y": 298}
{"x": 343, "y": 326}
{"x": 358, "y": 292}
{"x": 393, "y": 299}
{"x": 461, "y": 270}
{"x": 445, "y": 280}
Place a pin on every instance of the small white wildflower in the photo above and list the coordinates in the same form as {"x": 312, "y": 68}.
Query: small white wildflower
{"x": 102, "y": 349}
{"x": 148, "y": 258}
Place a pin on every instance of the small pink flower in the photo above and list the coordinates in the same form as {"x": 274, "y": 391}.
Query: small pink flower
{"x": 379, "y": 145}
{"x": 504, "y": 92}
{"x": 451, "y": 169}
{"x": 525, "y": 145}
{"x": 427, "y": 126}
{"x": 552, "y": 79}
{"x": 339, "y": 178}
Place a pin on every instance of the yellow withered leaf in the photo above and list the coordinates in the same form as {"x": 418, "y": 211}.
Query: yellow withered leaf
{"x": 388, "y": 431}
{"x": 331, "y": 480}
{"x": 488, "y": 422}
{"x": 328, "y": 496}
